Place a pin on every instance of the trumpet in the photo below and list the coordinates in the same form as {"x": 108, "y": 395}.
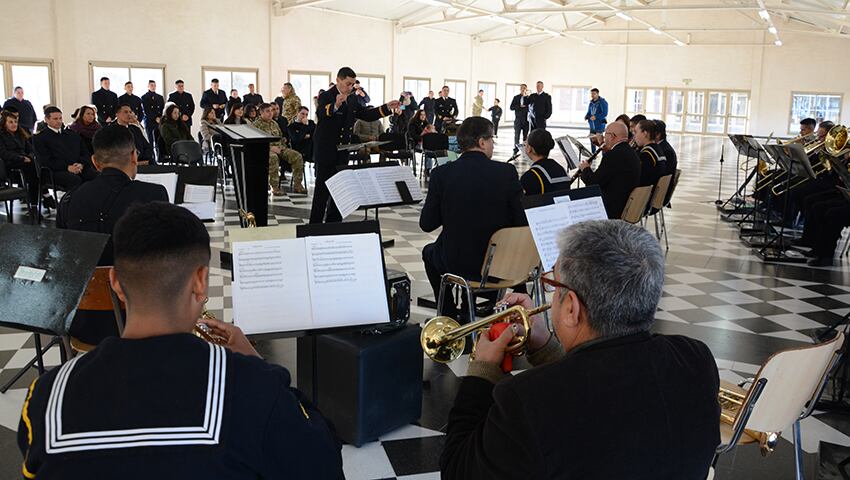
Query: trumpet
{"x": 201, "y": 329}
{"x": 443, "y": 338}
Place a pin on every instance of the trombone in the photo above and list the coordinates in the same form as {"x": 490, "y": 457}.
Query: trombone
{"x": 834, "y": 145}
{"x": 443, "y": 338}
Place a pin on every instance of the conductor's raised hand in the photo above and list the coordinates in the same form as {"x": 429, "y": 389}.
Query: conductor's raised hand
{"x": 236, "y": 339}
{"x": 393, "y": 104}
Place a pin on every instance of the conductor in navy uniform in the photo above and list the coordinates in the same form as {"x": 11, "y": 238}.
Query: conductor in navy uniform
{"x": 336, "y": 113}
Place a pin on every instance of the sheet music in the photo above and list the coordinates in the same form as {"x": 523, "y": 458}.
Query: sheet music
{"x": 167, "y": 180}
{"x": 202, "y": 210}
{"x": 569, "y": 152}
{"x": 562, "y": 199}
{"x": 351, "y": 189}
{"x": 347, "y": 280}
{"x": 545, "y": 223}
{"x": 270, "y": 288}
{"x": 585, "y": 209}
{"x": 346, "y": 191}
{"x": 198, "y": 193}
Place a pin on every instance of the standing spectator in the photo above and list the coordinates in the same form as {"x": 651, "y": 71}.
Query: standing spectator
{"x": 495, "y": 116}
{"x": 215, "y": 99}
{"x": 478, "y": 104}
{"x": 133, "y": 101}
{"x": 301, "y": 134}
{"x": 362, "y": 95}
{"x": 105, "y": 101}
{"x": 208, "y": 119}
{"x": 26, "y": 113}
{"x": 86, "y": 126}
{"x": 539, "y": 108}
{"x": 252, "y": 98}
{"x": 232, "y": 100}
{"x": 124, "y": 116}
{"x": 597, "y": 113}
{"x": 251, "y": 113}
{"x": 427, "y": 104}
{"x": 519, "y": 105}
{"x": 153, "y": 104}
{"x": 288, "y": 102}
{"x": 236, "y": 117}
{"x": 16, "y": 152}
{"x": 62, "y": 151}
{"x": 184, "y": 102}
{"x": 173, "y": 128}
{"x": 445, "y": 109}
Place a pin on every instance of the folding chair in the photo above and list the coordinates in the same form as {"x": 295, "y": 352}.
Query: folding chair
{"x": 636, "y": 205}
{"x": 397, "y": 149}
{"x": 187, "y": 152}
{"x": 9, "y": 193}
{"x": 656, "y": 206}
{"x": 99, "y": 297}
{"x": 434, "y": 145}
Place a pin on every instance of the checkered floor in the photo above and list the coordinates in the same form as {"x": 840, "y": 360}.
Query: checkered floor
{"x": 716, "y": 290}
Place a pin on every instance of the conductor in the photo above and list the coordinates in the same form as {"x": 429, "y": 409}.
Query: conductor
{"x": 336, "y": 112}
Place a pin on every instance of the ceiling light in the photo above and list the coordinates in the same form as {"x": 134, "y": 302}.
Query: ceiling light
{"x": 764, "y": 14}
{"x": 551, "y": 32}
{"x": 679, "y": 43}
{"x": 506, "y": 21}
{"x": 771, "y": 29}
{"x": 588, "y": 43}
{"x": 778, "y": 43}
{"x": 624, "y": 16}
{"x": 655, "y": 30}
{"x": 435, "y": 3}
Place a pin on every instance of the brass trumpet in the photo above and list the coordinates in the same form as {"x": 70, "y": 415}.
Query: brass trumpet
{"x": 443, "y": 338}
{"x": 201, "y": 329}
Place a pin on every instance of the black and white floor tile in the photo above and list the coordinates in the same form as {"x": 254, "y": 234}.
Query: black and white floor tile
{"x": 716, "y": 290}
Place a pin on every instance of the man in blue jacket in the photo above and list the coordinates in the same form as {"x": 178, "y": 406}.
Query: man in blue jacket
{"x": 597, "y": 111}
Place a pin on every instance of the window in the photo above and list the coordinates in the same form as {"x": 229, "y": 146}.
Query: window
{"x": 308, "y": 84}
{"x": 457, "y": 90}
{"x": 820, "y": 106}
{"x": 35, "y": 77}
{"x": 675, "y": 110}
{"x": 374, "y": 86}
{"x": 419, "y": 87}
{"x": 511, "y": 90}
{"x": 569, "y": 104}
{"x": 693, "y": 111}
{"x": 695, "y": 108}
{"x": 717, "y": 104}
{"x": 489, "y": 95}
{"x": 739, "y": 112}
{"x": 229, "y": 78}
{"x": 121, "y": 73}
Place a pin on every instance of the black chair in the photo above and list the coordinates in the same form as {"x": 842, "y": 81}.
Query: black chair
{"x": 397, "y": 149}
{"x": 45, "y": 175}
{"x": 162, "y": 156}
{"x": 187, "y": 152}
{"x": 434, "y": 145}
{"x": 9, "y": 193}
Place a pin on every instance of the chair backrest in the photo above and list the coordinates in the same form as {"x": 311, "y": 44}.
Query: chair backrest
{"x": 672, "y": 186}
{"x": 514, "y": 254}
{"x": 397, "y": 142}
{"x": 794, "y": 377}
{"x": 186, "y": 152}
{"x": 435, "y": 141}
{"x": 98, "y": 294}
{"x": 660, "y": 192}
{"x": 636, "y": 205}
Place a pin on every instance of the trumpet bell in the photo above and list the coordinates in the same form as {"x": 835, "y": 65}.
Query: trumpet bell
{"x": 431, "y": 339}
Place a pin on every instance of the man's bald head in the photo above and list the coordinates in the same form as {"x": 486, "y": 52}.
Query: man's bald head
{"x": 615, "y": 133}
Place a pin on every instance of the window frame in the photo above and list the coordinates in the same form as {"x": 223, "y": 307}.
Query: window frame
{"x": 128, "y": 66}
{"x": 552, "y": 120}
{"x": 289, "y": 74}
{"x": 791, "y": 105}
{"x": 205, "y": 86}
{"x": 506, "y": 109}
{"x": 404, "y": 80}
{"x": 486, "y": 103}
{"x": 379, "y": 99}
{"x": 686, "y": 107}
{"x": 6, "y": 64}
{"x": 461, "y": 110}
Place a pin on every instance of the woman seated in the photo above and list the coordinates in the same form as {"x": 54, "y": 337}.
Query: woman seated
{"x": 653, "y": 163}
{"x": 417, "y": 124}
{"x": 208, "y": 119}
{"x": 16, "y": 152}
{"x": 85, "y": 124}
{"x": 545, "y": 175}
{"x": 251, "y": 113}
{"x": 236, "y": 116}
{"x": 172, "y": 128}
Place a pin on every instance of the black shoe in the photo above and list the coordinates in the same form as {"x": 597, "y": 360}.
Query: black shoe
{"x": 821, "y": 262}
{"x": 48, "y": 202}
{"x": 800, "y": 242}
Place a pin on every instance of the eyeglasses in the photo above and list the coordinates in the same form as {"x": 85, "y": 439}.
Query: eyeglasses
{"x": 550, "y": 284}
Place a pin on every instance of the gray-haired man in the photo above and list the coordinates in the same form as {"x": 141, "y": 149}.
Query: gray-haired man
{"x": 612, "y": 400}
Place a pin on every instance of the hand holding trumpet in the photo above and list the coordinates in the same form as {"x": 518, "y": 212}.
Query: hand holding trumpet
{"x": 493, "y": 351}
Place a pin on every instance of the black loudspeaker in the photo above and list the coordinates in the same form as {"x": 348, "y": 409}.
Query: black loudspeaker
{"x": 399, "y": 286}
{"x": 366, "y": 385}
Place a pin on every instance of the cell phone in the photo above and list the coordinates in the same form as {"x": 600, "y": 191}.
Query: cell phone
{"x": 401, "y": 107}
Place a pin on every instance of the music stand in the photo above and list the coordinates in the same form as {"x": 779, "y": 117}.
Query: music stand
{"x": 43, "y": 277}
{"x": 569, "y": 153}
{"x": 791, "y": 158}
{"x": 582, "y": 150}
{"x": 404, "y": 192}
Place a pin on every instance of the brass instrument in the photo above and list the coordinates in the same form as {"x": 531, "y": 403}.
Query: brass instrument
{"x": 801, "y": 139}
{"x": 443, "y": 338}
{"x": 203, "y": 331}
{"x": 836, "y": 141}
{"x": 248, "y": 218}
{"x": 731, "y": 401}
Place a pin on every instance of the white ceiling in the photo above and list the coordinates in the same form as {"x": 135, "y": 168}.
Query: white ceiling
{"x": 529, "y": 22}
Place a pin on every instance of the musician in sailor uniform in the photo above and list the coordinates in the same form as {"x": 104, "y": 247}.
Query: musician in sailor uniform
{"x": 653, "y": 163}
{"x": 160, "y": 402}
{"x": 545, "y": 175}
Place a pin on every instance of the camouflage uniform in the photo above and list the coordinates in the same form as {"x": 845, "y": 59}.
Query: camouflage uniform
{"x": 291, "y": 105}
{"x": 289, "y": 155}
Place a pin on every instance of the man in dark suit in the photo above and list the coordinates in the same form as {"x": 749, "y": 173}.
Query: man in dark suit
{"x": 539, "y": 108}
{"x": 618, "y": 173}
{"x": 26, "y": 112}
{"x": 445, "y": 109}
{"x": 519, "y": 105}
{"x": 336, "y": 112}
{"x": 105, "y": 101}
{"x": 471, "y": 198}
{"x": 62, "y": 151}
{"x": 153, "y": 104}
{"x": 133, "y": 101}
{"x": 124, "y": 117}
{"x": 184, "y": 101}
{"x": 215, "y": 99}
{"x": 601, "y": 384}
{"x": 251, "y": 98}
{"x": 427, "y": 104}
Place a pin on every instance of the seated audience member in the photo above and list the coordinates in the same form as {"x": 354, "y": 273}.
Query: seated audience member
{"x": 301, "y": 133}
{"x": 26, "y": 112}
{"x": 653, "y": 164}
{"x": 278, "y": 151}
{"x": 85, "y": 124}
{"x": 282, "y": 122}
{"x": 470, "y": 198}
{"x": 252, "y": 98}
{"x": 63, "y": 152}
{"x": 368, "y": 132}
{"x": 16, "y": 152}
{"x": 236, "y": 117}
{"x": 618, "y": 172}
{"x": 125, "y": 117}
{"x": 232, "y": 100}
{"x": 208, "y": 119}
{"x": 97, "y": 205}
{"x": 173, "y": 128}
{"x": 251, "y": 113}
{"x": 416, "y": 126}
{"x": 666, "y": 149}
{"x": 206, "y": 410}
{"x": 42, "y": 125}
{"x": 545, "y": 175}
{"x": 564, "y": 417}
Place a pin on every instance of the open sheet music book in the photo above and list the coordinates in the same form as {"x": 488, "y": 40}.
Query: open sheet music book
{"x": 352, "y": 189}
{"x": 548, "y": 221}
{"x": 198, "y": 199}
{"x": 297, "y": 284}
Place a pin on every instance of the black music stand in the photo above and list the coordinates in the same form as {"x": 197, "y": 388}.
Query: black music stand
{"x": 249, "y": 148}
{"x": 43, "y": 275}
{"x": 745, "y": 149}
{"x": 792, "y": 158}
{"x": 404, "y": 192}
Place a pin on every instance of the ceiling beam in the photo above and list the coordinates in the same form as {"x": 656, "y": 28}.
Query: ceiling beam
{"x": 446, "y": 20}
{"x": 285, "y": 7}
